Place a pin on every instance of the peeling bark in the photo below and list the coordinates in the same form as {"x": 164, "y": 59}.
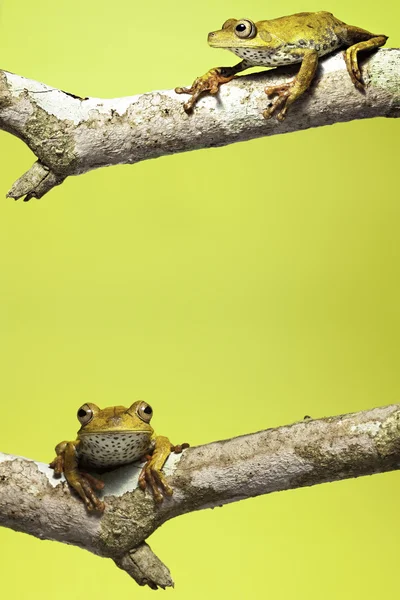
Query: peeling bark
{"x": 72, "y": 135}
{"x": 303, "y": 454}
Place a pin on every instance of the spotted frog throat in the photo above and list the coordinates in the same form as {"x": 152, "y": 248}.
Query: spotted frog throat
{"x": 300, "y": 38}
{"x": 110, "y": 438}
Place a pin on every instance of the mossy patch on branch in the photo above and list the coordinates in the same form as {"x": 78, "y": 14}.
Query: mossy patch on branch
{"x": 52, "y": 140}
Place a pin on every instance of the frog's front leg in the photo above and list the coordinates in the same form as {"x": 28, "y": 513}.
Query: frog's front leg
{"x": 351, "y": 57}
{"x": 84, "y": 484}
{"x": 289, "y": 92}
{"x": 210, "y": 82}
{"x": 151, "y": 474}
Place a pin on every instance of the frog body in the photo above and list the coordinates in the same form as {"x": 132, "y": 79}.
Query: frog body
{"x": 300, "y": 38}
{"x": 277, "y": 40}
{"x": 112, "y": 450}
{"x": 109, "y": 438}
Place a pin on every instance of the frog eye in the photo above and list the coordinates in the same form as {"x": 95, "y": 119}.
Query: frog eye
{"x": 85, "y": 414}
{"x": 245, "y": 29}
{"x": 144, "y": 411}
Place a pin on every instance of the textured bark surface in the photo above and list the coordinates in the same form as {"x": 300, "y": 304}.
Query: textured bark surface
{"x": 302, "y": 454}
{"x": 71, "y": 135}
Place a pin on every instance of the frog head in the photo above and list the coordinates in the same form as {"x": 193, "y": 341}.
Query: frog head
{"x": 241, "y": 33}
{"x": 114, "y": 435}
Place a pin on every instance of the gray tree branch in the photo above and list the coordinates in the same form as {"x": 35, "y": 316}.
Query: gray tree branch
{"x": 303, "y": 454}
{"x": 71, "y": 135}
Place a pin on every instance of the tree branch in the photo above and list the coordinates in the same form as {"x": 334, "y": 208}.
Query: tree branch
{"x": 72, "y": 135}
{"x": 302, "y": 454}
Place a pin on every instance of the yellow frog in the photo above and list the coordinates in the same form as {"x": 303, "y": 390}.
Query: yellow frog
{"x": 110, "y": 438}
{"x": 299, "y": 38}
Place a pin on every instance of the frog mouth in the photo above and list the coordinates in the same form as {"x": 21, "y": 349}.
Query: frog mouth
{"x": 219, "y": 39}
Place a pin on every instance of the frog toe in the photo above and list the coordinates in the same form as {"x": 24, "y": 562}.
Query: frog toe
{"x": 183, "y": 90}
{"x": 177, "y": 449}
{"x": 98, "y": 507}
{"x": 58, "y": 465}
{"x": 282, "y": 114}
{"x": 82, "y": 485}
{"x": 353, "y": 68}
{"x": 151, "y": 482}
{"x": 95, "y": 483}
{"x": 277, "y": 90}
{"x": 162, "y": 482}
{"x": 195, "y": 90}
{"x": 93, "y": 503}
{"x": 188, "y": 105}
{"x": 269, "y": 112}
{"x": 280, "y": 104}
{"x": 153, "y": 478}
{"x": 208, "y": 83}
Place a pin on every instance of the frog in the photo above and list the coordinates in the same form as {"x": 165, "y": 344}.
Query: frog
{"x": 300, "y": 38}
{"x": 109, "y": 438}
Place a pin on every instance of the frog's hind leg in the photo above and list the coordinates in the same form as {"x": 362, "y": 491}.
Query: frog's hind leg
{"x": 350, "y": 55}
{"x": 289, "y": 92}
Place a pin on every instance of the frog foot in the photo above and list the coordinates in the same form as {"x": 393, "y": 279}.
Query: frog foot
{"x": 351, "y": 60}
{"x": 283, "y": 92}
{"x": 58, "y": 465}
{"x": 85, "y": 485}
{"x": 151, "y": 476}
{"x": 179, "y": 448}
{"x": 209, "y": 82}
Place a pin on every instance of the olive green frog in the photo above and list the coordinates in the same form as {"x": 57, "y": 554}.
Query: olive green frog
{"x": 300, "y": 38}
{"x": 109, "y": 438}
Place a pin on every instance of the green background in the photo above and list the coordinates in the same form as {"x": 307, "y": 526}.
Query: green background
{"x": 234, "y": 289}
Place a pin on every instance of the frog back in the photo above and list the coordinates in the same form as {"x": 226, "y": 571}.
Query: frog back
{"x": 319, "y": 31}
{"x": 317, "y": 27}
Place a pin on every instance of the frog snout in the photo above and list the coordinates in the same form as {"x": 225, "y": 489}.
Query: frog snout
{"x": 211, "y": 35}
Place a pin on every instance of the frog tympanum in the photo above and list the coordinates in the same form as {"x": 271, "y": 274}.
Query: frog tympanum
{"x": 110, "y": 438}
{"x": 300, "y": 38}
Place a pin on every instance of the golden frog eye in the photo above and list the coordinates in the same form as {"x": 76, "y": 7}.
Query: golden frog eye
{"x": 145, "y": 412}
{"x": 245, "y": 29}
{"x": 85, "y": 414}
